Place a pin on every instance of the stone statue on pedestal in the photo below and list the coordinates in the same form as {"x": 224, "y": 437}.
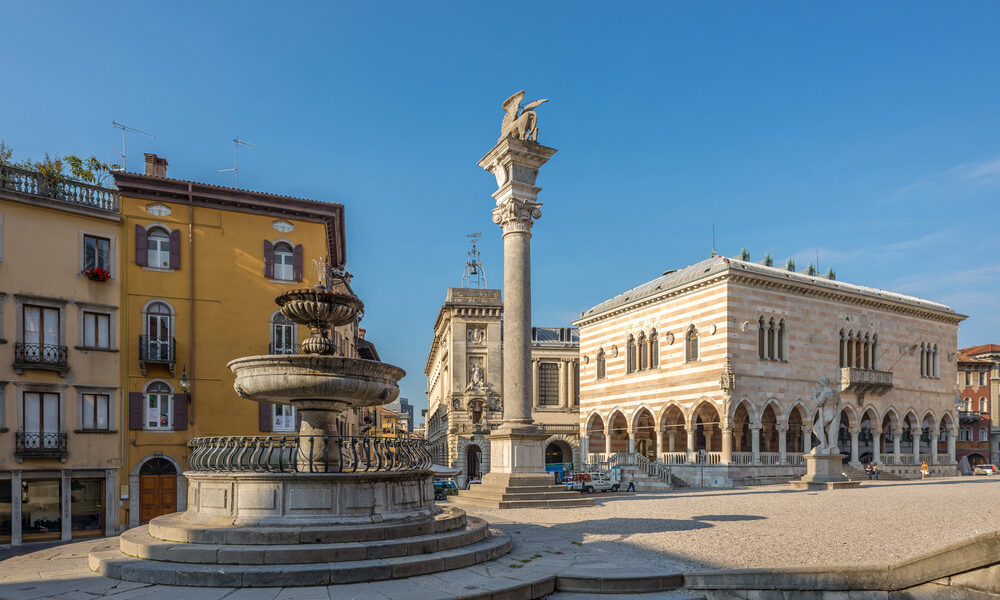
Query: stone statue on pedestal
{"x": 827, "y": 424}
{"x": 521, "y": 123}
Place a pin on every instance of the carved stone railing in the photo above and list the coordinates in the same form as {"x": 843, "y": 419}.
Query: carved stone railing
{"x": 308, "y": 454}
{"x": 673, "y": 458}
{"x": 865, "y": 381}
{"x": 33, "y": 183}
{"x": 35, "y": 444}
{"x": 795, "y": 459}
{"x": 741, "y": 458}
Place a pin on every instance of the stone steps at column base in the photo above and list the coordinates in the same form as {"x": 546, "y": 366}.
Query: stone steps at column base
{"x": 139, "y": 543}
{"x": 174, "y": 527}
{"x": 487, "y": 502}
{"x": 859, "y": 474}
{"x": 112, "y": 563}
{"x": 516, "y": 494}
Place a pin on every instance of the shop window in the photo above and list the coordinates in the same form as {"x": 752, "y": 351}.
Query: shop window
{"x": 87, "y": 507}
{"x": 41, "y": 514}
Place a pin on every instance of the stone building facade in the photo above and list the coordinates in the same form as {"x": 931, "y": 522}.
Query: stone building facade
{"x": 991, "y": 353}
{"x": 974, "y": 409}
{"x": 465, "y": 384}
{"x": 715, "y": 365}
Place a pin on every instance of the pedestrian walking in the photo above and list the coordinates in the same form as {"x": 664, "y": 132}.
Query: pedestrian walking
{"x": 868, "y": 470}
{"x": 924, "y": 470}
{"x": 875, "y": 471}
{"x": 631, "y": 485}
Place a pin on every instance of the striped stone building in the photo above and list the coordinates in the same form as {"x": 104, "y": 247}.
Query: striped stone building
{"x": 714, "y": 367}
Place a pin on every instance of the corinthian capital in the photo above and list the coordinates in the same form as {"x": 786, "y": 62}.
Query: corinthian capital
{"x": 515, "y": 215}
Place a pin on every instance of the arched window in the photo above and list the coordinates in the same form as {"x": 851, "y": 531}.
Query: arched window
{"x": 654, "y": 350}
{"x": 935, "y": 364}
{"x": 761, "y": 335}
{"x": 601, "y": 364}
{"x": 843, "y": 349}
{"x": 630, "y": 355}
{"x": 875, "y": 360}
{"x": 159, "y": 326}
{"x": 158, "y": 248}
{"x": 984, "y": 436}
{"x": 850, "y": 349}
{"x": 770, "y": 340}
{"x": 283, "y": 262}
{"x": 282, "y": 334}
{"x": 691, "y": 344}
{"x": 159, "y": 406}
{"x": 866, "y": 352}
{"x": 968, "y": 404}
{"x": 781, "y": 340}
{"x": 643, "y": 352}
{"x": 982, "y": 405}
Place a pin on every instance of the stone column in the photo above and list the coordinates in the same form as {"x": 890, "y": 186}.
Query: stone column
{"x": 876, "y": 445}
{"x": 690, "y": 443}
{"x": 807, "y": 430}
{"x": 563, "y": 384}
{"x": 15, "y": 508}
{"x": 631, "y": 439}
{"x": 709, "y": 431}
{"x": 571, "y": 384}
{"x": 755, "y": 443}
{"x": 517, "y": 457}
{"x": 951, "y": 446}
{"x": 584, "y": 450}
{"x": 854, "y": 445}
{"x": 915, "y": 435}
{"x": 659, "y": 442}
{"x": 727, "y": 445}
{"x": 934, "y": 448}
{"x": 782, "y": 443}
{"x": 66, "y": 503}
{"x": 896, "y": 434}
{"x": 536, "y": 397}
{"x": 607, "y": 442}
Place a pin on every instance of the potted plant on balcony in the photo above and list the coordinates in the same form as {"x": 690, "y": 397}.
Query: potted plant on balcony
{"x": 96, "y": 274}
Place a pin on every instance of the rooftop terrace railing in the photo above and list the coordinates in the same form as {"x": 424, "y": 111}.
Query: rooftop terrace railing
{"x": 77, "y": 193}
{"x": 308, "y": 454}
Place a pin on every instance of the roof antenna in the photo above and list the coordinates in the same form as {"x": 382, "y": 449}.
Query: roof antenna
{"x": 236, "y": 165}
{"x": 125, "y": 128}
{"x": 475, "y": 274}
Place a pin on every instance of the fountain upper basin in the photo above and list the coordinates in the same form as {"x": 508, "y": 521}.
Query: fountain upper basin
{"x": 281, "y": 378}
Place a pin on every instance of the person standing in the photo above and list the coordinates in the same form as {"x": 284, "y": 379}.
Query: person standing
{"x": 924, "y": 470}
{"x": 875, "y": 471}
{"x": 868, "y": 470}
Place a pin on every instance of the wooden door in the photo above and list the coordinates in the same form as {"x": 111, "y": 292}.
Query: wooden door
{"x": 157, "y": 496}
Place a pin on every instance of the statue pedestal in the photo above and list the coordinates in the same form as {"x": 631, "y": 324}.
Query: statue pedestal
{"x": 824, "y": 473}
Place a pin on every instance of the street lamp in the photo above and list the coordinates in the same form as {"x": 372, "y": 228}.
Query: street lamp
{"x": 184, "y": 380}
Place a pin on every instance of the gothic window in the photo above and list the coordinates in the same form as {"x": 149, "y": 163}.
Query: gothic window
{"x": 865, "y": 352}
{"x": 770, "y": 340}
{"x": 548, "y": 384}
{"x": 781, "y": 340}
{"x": 843, "y": 349}
{"x": 761, "y": 334}
{"x": 691, "y": 345}
{"x": 875, "y": 351}
{"x": 923, "y": 360}
{"x": 643, "y": 353}
{"x": 982, "y": 405}
{"x": 654, "y": 350}
{"x": 601, "y": 364}
{"x": 630, "y": 355}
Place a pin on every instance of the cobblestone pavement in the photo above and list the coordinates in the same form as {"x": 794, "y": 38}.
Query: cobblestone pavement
{"x": 622, "y": 534}
{"x": 773, "y": 526}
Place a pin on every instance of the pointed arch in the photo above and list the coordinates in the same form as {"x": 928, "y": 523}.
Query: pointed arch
{"x": 639, "y": 410}
{"x": 852, "y": 418}
{"x": 772, "y": 402}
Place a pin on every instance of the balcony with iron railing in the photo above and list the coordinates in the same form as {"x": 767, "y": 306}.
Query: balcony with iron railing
{"x": 34, "y": 444}
{"x": 161, "y": 351}
{"x": 968, "y": 416}
{"x": 71, "y": 193}
{"x": 48, "y": 357}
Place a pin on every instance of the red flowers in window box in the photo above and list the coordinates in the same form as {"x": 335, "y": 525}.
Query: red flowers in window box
{"x": 96, "y": 274}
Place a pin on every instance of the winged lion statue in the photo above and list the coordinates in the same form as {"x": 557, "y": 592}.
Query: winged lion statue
{"x": 521, "y": 123}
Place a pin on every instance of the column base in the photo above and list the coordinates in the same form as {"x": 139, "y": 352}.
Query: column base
{"x": 824, "y": 473}
{"x": 517, "y": 477}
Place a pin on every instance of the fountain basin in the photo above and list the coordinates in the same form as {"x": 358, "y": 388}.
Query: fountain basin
{"x": 316, "y": 379}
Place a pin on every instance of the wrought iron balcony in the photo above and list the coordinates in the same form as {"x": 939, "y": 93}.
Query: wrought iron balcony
{"x": 865, "y": 381}
{"x": 50, "y": 357}
{"x": 33, "y": 183}
{"x": 278, "y": 349}
{"x": 968, "y": 416}
{"x": 34, "y": 444}
{"x": 157, "y": 351}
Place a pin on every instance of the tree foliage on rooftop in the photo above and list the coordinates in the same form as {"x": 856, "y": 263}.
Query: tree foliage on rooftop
{"x": 88, "y": 170}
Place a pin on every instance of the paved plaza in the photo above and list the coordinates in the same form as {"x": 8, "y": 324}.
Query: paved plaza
{"x": 659, "y": 533}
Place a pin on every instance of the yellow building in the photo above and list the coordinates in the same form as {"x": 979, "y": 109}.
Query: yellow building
{"x": 60, "y": 396}
{"x": 389, "y": 423}
{"x": 201, "y": 266}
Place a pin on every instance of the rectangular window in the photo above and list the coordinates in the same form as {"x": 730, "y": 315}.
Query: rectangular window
{"x": 283, "y": 336}
{"x": 548, "y": 384}
{"x": 158, "y": 411}
{"x": 284, "y": 418}
{"x": 96, "y": 253}
{"x": 40, "y": 327}
{"x": 96, "y": 330}
{"x": 981, "y": 378}
{"x": 95, "y": 411}
{"x": 87, "y": 507}
{"x": 40, "y": 419}
{"x": 984, "y": 436}
{"x": 41, "y": 514}
{"x": 968, "y": 378}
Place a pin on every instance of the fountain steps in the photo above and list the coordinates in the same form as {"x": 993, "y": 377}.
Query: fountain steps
{"x": 112, "y": 563}
{"x": 174, "y": 527}
{"x": 487, "y": 498}
{"x": 140, "y": 544}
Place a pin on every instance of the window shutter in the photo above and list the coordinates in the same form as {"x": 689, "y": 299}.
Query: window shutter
{"x": 268, "y": 259}
{"x": 297, "y": 263}
{"x": 264, "y": 416}
{"x": 140, "y": 245}
{"x": 180, "y": 412}
{"x": 135, "y": 406}
{"x": 175, "y": 249}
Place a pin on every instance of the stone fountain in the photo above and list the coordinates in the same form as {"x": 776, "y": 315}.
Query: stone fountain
{"x": 313, "y": 508}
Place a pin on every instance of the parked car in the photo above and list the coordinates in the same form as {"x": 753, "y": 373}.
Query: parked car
{"x": 594, "y": 482}
{"x": 444, "y": 488}
{"x": 986, "y": 469}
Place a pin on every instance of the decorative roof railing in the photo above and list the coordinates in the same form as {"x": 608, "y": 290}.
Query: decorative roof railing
{"x": 33, "y": 183}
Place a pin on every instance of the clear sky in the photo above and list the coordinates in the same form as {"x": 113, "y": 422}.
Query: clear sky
{"x": 866, "y": 131}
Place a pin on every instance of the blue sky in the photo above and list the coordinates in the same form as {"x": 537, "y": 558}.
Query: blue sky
{"x": 867, "y": 131}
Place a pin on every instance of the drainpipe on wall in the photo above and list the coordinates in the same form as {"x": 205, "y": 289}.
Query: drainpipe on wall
{"x": 190, "y": 390}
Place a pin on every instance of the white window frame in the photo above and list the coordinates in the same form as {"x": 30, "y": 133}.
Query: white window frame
{"x": 171, "y": 320}
{"x": 159, "y": 210}
{"x": 273, "y": 326}
{"x": 984, "y": 434}
{"x": 60, "y": 305}
{"x": 83, "y": 235}
{"x": 279, "y": 267}
{"x": 283, "y": 226}
{"x": 40, "y": 388}
{"x": 163, "y": 256}
{"x": 169, "y": 396}
{"x": 81, "y": 391}
{"x": 285, "y": 422}
{"x": 100, "y": 309}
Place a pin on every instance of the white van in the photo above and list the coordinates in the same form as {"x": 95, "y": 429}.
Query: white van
{"x": 594, "y": 482}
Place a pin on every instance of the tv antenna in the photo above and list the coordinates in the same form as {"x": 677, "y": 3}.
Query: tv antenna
{"x": 475, "y": 274}
{"x": 237, "y": 142}
{"x": 125, "y": 128}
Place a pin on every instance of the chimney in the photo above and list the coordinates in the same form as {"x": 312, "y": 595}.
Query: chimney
{"x": 361, "y": 332}
{"x": 155, "y": 166}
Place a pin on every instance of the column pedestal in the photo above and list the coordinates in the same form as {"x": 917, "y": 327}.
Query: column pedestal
{"x": 824, "y": 473}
